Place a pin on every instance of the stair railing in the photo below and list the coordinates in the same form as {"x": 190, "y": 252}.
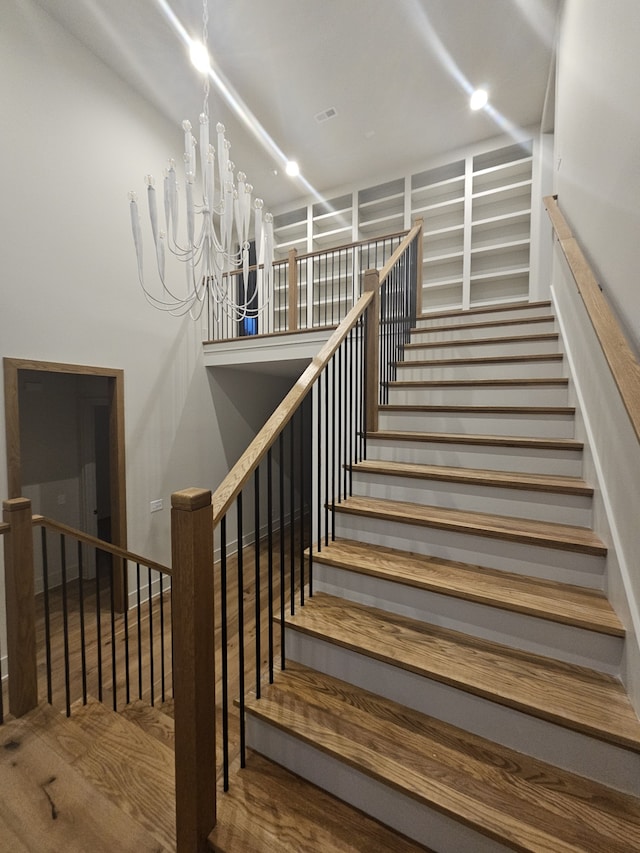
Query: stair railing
{"x": 169, "y": 623}
{"x": 310, "y": 291}
{"x": 280, "y": 495}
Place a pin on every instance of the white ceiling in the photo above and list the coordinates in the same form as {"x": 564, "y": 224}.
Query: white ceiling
{"x": 395, "y": 71}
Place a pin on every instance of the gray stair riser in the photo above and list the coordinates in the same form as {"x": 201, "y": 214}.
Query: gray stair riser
{"x": 532, "y": 560}
{"x": 479, "y": 331}
{"x": 479, "y": 395}
{"x": 564, "y": 642}
{"x": 527, "y": 460}
{"x": 543, "y": 425}
{"x": 509, "y": 370}
{"x": 383, "y": 802}
{"x": 515, "y": 313}
{"x": 564, "y": 747}
{"x": 519, "y": 503}
{"x": 480, "y": 350}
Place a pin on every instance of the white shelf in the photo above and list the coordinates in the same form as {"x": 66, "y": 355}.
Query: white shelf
{"x": 445, "y": 282}
{"x": 372, "y": 223}
{"x": 382, "y": 200}
{"x": 440, "y": 205}
{"x": 508, "y": 191}
{"x": 449, "y": 256}
{"x": 500, "y": 274}
{"x": 498, "y": 247}
{"x": 501, "y": 217}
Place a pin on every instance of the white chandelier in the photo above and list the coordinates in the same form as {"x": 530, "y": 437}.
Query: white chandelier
{"x": 219, "y": 244}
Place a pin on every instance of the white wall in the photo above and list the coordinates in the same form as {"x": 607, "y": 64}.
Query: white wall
{"x": 598, "y": 184}
{"x": 74, "y": 140}
{"x": 597, "y": 144}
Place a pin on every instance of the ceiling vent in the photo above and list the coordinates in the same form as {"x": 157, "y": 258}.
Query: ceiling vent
{"x": 325, "y": 115}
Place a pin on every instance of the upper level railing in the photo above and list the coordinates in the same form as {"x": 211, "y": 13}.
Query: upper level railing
{"x": 313, "y": 290}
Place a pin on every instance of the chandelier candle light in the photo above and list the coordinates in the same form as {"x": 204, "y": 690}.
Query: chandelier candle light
{"x": 221, "y": 242}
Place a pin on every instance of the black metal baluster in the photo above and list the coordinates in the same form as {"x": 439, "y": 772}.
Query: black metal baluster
{"x": 270, "y": 558}
{"x": 241, "y": 629}
{"x": 151, "y": 662}
{"x": 282, "y": 544}
{"x": 225, "y": 651}
{"x": 113, "y": 635}
{"x": 98, "y": 626}
{"x": 47, "y": 613}
{"x": 327, "y": 456}
{"x": 139, "y": 616}
{"x": 162, "y": 654}
{"x": 83, "y": 647}
{"x": 302, "y": 542}
{"x": 292, "y": 548}
{"x": 127, "y": 672}
{"x": 256, "y": 536}
{"x": 333, "y": 449}
{"x": 341, "y": 466}
{"x": 318, "y": 393}
{"x": 65, "y": 623}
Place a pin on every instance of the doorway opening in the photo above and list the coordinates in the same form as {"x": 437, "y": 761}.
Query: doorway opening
{"x": 65, "y": 448}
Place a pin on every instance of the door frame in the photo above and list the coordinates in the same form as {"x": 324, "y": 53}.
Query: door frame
{"x": 12, "y": 368}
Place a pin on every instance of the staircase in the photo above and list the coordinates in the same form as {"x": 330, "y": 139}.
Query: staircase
{"x": 455, "y": 674}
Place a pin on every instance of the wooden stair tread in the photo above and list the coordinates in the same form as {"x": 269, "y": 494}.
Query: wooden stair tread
{"x": 487, "y": 324}
{"x": 484, "y": 440}
{"x": 490, "y": 309}
{"x": 49, "y": 805}
{"x": 269, "y": 810}
{"x": 486, "y": 410}
{"x": 489, "y": 359}
{"x": 572, "y": 696}
{"x": 508, "y": 796}
{"x": 557, "y": 602}
{"x": 543, "y": 533}
{"x": 553, "y": 382}
{"x": 507, "y": 339}
{"x": 151, "y": 720}
{"x": 478, "y": 476}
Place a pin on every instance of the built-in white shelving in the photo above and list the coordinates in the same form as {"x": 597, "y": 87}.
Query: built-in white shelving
{"x": 477, "y": 214}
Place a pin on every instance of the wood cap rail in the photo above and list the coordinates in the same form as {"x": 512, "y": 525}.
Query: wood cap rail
{"x": 622, "y": 362}
{"x": 58, "y": 527}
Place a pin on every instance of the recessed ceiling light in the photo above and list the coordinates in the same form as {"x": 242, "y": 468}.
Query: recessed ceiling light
{"x": 292, "y": 169}
{"x": 478, "y": 99}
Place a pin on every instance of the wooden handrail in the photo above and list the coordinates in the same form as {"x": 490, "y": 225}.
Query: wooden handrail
{"x": 386, "y": 269}
{"x": 235, "y": 480}
{"x": 622, "y": 362}
{"x": 58, "y": 527}
{"x": 238, "y": 476}
{"x": 4, "y": 528}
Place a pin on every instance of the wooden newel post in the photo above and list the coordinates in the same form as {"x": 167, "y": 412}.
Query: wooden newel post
{"x": 21, "y": 609}
{"x": 192, "y": 619}
{"x": 292, "y": 286}
{"x": 372, "y": 323}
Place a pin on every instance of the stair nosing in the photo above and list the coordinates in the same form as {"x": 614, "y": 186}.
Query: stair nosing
{"x": 569, "y": 444}
{"x": 510, "y": 306}
{"x": 545, "y": 318}
{"x": 507, "y": 339}
{"x": 555, "y": 381}
{"x": 540, "y": 670}
{"x": 499, "y": 410}
{"x": 500, "y": 596}
{"x": 489, "y": 359}
{"x": 549, "y": 483}
{"x": 492, "y": 526}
